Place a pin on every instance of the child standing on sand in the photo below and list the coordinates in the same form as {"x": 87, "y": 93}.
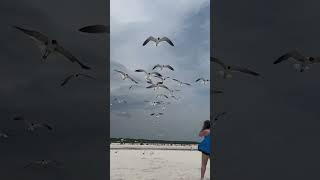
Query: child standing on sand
{"x": 205, "y": 146}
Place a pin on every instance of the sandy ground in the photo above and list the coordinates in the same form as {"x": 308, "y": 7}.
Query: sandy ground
{"x": 155, "y": 162}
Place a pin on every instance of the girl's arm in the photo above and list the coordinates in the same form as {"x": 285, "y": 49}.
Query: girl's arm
{"x": 204, "y": 132}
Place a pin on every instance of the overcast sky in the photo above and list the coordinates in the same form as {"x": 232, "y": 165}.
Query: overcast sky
{"x": 186, "y": 23}
{"x": 272, "y": 129}
{"x": 31, "y": 88}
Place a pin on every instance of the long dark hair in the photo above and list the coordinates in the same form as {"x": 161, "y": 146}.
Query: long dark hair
{"x": 206, "y": 124}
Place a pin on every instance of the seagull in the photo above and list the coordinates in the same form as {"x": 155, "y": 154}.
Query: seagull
{"x": 76, "y": 75}
{"x": 44, "y": 163}
{"x": 162, "y": 95}
{"x": 49, "y": 46}
{"x": 120, "y": 100}
{"x": 132, "y": 86}
{"x": 157, "y": 86}
{"x": 125, "y": 76}
{"x": 147, "y": 77}
{"x": 302, "y": 62}
{"x": 218, "y": 115}
{"x": 157, "y": 40}
{"x": 158, "y": 66}
{"x": 217, "y": 92}
{"x": 95, "y": 29}
{"x": 226, "y": 72}
{"x": 174, "y": 97}
{"x": 156, "y": 114}
{"x": 181, "y": 83}
{"x": 31, "y": 126}
{"x": 154, "y": 103}
{"x": 204, "y": 81}
{"x": 3, "y": 135}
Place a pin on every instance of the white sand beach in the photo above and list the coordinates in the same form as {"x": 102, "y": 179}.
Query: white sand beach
{"x": 155, "y": 162}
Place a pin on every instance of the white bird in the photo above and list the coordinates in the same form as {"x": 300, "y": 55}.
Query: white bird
{"x": 157, "y": 40}
{"x": 157, "y": 86}
{"x": 154, "y": 103}
{"x": 125, "y": 76}
{"x": 203, "y": 80}
{"x": 181, "y": 83}
{"x": 149, "y": 74}
{"x": 76, "y": 75}
{"x": 302, "y": 62}
{"x": 50, "y": 46}
{"x": 227, "y": 69}
{"x": 156, "y": 114}
{"x": 44, "y": 163}
{"x": 162, "y": 95}
{"x": 3, "y": 135}
{"x": 95, "y": 29}
{"x": 158, "y": 66}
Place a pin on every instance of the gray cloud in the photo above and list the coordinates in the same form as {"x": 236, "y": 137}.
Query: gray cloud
{"x": 186, "y": 24}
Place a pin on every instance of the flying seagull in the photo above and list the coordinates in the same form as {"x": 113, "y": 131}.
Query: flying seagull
{"x": 218, "y": 115}
{"x": 158, "y": 66}
{"x": 125, "y": 76}
{"x": 156, "y": 114}
{"x": 157, "y": 86}
{"x": 149, "y": 74}
{"x": 154, "y": 103}
{"x": 203, "y": 80}
{"x": 181, "y": 83}
{"x": 31, "y": 126}
{"x": 227, "y": 69}
{"x": 3, "y": 135}
{"x": 50, "y": 46}
{"x": 132, "y": 86}
{"x": 44, "y": 163}
{"x": 157, "y": 40}
{"x": 162, "y": 95}
{"x": 95, "y": 29}
{"x": 302, "y": 62}
{"x": 76, "y": 75}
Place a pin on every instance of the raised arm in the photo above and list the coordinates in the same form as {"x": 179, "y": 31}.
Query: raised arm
{"x": 204, "y": 132}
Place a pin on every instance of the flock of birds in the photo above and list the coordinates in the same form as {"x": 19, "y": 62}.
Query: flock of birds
{"x": 301, "y": 63}
{"x": 157, "y": 80}
{"x": 47, "y": 47}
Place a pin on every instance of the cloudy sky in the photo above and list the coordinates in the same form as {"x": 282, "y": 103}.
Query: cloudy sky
{"x": 272, "y": 129}
{"x": 186, "y": 23}
{"x": 31, "y": 88}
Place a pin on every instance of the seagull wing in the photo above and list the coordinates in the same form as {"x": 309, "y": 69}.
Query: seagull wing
{"x": 151, "y": 86}
{"x": 47, "y": 126}
{"x": 35, "y": 35}
{"x": 163, "y": 86}
{"x": 66, "y": 80}
{"x": 156, "y": 74}
{"x": 132, "y": 79}
{"x": 199, "y": 79}
{"x": 170, "y": 67}
{"x": 177, "y": 80}
{"x": 95, "y": 29}
{"x": 122, "y": 73}
{"x": 142, "y": 70}
{"x": 218, "y": 61}
{"x": 151, "y": 38}
{"x": 187, "y": 84}
{"x": 87, "y": 76}
{"x": 295, "y": 54}
{"x": 316, "y": 60}
{"x": 68, "y": 55}
{"x": 156, "y": 66}
{"x": 167, "y": 40}
{"x": 244, "y": 70}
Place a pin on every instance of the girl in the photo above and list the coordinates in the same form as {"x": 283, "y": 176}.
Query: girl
{"x": 205, "y": 146}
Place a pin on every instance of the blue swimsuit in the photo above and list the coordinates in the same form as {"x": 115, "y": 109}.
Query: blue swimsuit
{"x": 205, "y": 145}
